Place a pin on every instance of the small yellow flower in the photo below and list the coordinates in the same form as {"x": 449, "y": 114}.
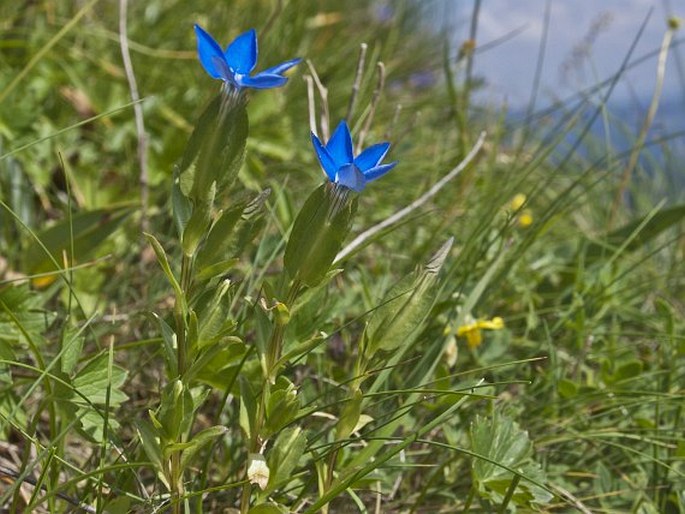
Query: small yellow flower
{"x": 525, "y": 218}
{"x": 517, "y": 202}
{"x": 472, "y": 330}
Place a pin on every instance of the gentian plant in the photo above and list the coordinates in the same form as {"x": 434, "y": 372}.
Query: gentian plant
{"x": 342, "y": 167}
{"x": 235, "y": 64}
{"x": 209, "y": 346}
{"x": 202, "y": 331}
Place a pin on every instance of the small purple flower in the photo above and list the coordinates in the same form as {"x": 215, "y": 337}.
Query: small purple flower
{"x": 235, "y": 64}
{"x": 342, "y": 167}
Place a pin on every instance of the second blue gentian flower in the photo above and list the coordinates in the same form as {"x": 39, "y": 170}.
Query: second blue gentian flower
{"x": 342, "y": 167}
{"x": 235, "y": 64}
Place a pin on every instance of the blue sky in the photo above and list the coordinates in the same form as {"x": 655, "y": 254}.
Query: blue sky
{"x": 509, "y": 68}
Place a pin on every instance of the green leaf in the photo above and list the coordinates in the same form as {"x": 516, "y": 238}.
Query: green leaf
{"x": 215, "y": 150}
{"x": 502, "y": 441}
{"x": 175, "y": 411}
{"x": 151, "y": 441}
{"x": 169, "y": 339}
{"x": 164, "y": 263}
{"x": 225, "y": 245}
{"x": 121, "y": 505}
{"x": 628, "y": 238}
{"x": 284, "y": 456}
{"x": 92, "y": 382}
{"x": 318, "y": 233}
{"x": 72, "y": 345}
{"x": 282, "y": 406}
{"x": 267, "y": 508}
{"x": 637, "y": 233}
{"x": 22, "y": 313}
{"x": 181, "y": 206}
{"x": 214, "y": 248}
{"x": 198, "y": 223}
{"x": 217, "y": 364}
{"x": 404, "y": 309}
{"x": 92, "y": 423}
{"x": 7, "y": 354}
{"x": 349, "y": 417}
{"x": 248, "y": 407}
{"x": 88, "y": 229}
{"x": 214, "y": 318}
{"x": 198, "y": 441}
{"x": 218, "y": 269}
{"x": 567, "y": 388}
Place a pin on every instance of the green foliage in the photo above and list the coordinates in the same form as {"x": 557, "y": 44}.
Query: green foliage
{"x": 318, "y": 233}
{"x": 509, "y": 464}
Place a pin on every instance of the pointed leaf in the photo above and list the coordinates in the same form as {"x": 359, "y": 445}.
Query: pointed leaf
{"x": 88, "y": 229}
{"x": 405, "y": 308}
{"x": 284, "y": 456}
{"x": 318, "y": 232}
{"x": 198, "y": 441}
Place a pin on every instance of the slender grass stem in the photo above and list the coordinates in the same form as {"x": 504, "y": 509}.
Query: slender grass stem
{"x": 649, "y": 118}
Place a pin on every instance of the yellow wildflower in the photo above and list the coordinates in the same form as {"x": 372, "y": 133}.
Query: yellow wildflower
{"x": 525, "y": 219}
{"x": 517, "y": 202}
{"x": 473, "y": 330}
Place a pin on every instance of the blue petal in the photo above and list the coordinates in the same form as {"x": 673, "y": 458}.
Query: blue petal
{"x": 350, "y": 176}
{"x": 261, "y": 81}
{"x": 241, "y": 54}
{"x": 284, "y": 66}
{"x": 340, "y": 145}
{"x": 372, "y": 156}
{"x": 378, "y": 171}
{"x": 209, "y": 52}
{"x": 224, "y": 71}
{"x": 325, "y": 159}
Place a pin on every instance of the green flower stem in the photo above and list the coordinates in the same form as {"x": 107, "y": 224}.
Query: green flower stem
{"x": 181, "y": 343}
{"x": 271, "y": 359}
{"x": 328, "y": 479}
{"x": 176, "y": 478}
{"x": 177, "y": 489}
{"x": 275, "y": 346}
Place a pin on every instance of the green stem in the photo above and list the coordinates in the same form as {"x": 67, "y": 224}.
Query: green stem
{"x": 510, "y": 493}
{"x": 176, "y": 484}
{"x": 328, "y": 479}
{"x": 275, "y": 346}
{"x": 245, "y": 499}
{"x": 181, "y": 342}
{"x": 176, "y": 478}
{"x": 273, "y": 355}
{"x": 469, "y": 500}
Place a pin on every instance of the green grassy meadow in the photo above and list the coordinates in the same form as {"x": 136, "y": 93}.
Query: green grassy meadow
{"x": 190, "y": 322}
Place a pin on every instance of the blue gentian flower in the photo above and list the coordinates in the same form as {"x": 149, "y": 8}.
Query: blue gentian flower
{"x": 342, "y": 167}
{"x": 235, "y": 64}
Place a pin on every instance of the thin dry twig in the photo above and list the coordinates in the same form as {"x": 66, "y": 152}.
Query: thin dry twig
{"x": 323, "y": 93}
{"x": 649, "y": 118}
{"x": 137, "y": 111}
{"x": 374, "y": 103}
{"x": 357, "y": 81}
{"x": 402, "y": 213}
{"x": 393, "y": 123}
{"x": 311, "y": 104}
